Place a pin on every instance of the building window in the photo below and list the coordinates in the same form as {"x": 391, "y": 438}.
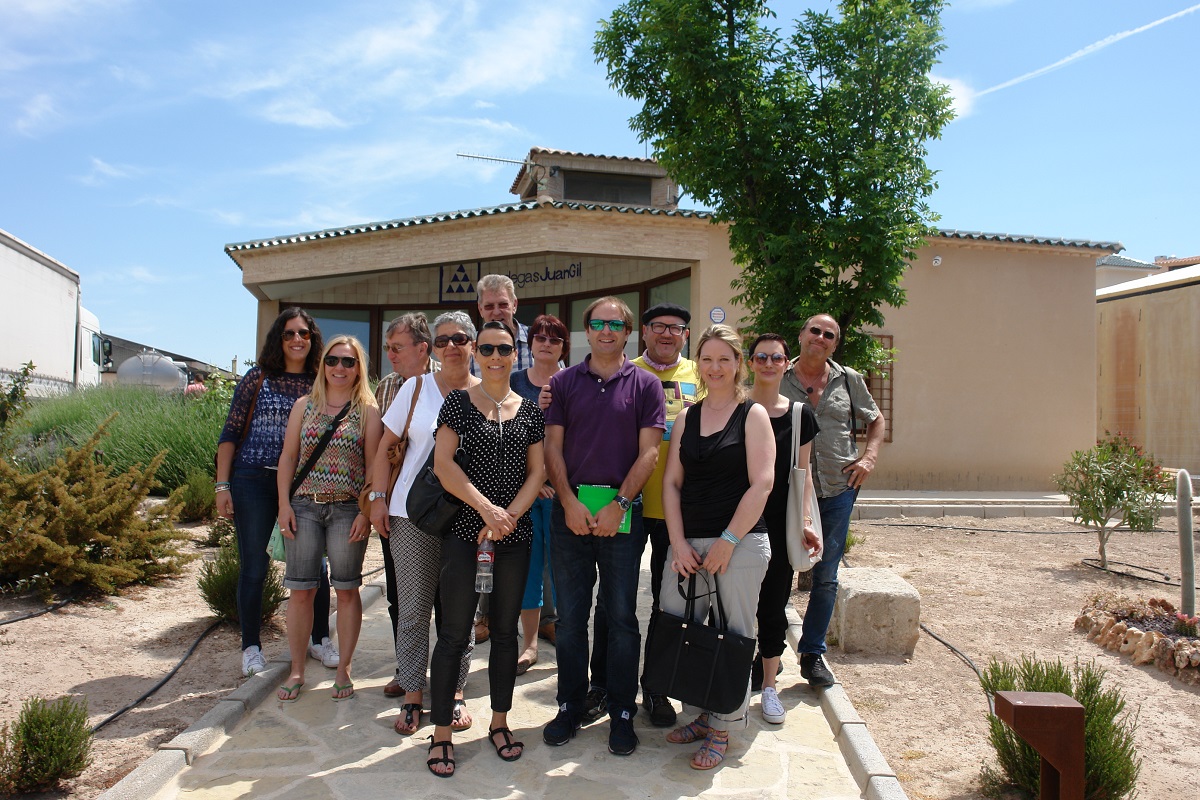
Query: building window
{"x": 599, "y": 187}
{"x": 879, "y": 382}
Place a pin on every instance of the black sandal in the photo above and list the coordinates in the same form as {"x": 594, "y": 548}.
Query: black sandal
{"x": 411, "y": 719}
{"x": 445, "y": 759}
{"x": 508, "y": 745}
{"x": 458, "y": 726}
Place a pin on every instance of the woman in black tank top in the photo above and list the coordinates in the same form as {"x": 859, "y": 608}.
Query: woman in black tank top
{"x": 719, "y": 472}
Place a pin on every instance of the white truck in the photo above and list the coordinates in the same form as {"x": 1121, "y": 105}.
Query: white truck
{"x": 42, "y": 320}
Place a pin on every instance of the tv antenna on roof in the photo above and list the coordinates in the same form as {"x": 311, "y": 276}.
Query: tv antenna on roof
{"x": 536, "y": 171}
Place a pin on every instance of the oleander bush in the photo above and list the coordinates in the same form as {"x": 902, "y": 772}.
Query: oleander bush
{"x": 148, "y": 422}
{"x": 49, "y": 742}
{"x": 77, "y": 526}
{"x": 1111, "y": 764}
{"x": 1115, "y": 483}
{"x": 218, "y": 584}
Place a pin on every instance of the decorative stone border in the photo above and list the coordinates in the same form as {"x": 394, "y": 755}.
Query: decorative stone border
{"x": 1180, "y": 658}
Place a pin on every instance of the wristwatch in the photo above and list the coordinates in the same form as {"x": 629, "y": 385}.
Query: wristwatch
{"x": 373, "y": 496}
{"x": 623, "y": 502}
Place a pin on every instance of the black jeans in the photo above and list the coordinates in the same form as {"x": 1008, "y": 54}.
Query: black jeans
{"x": 659, "y": 541}
{"x": 459, "y": 600}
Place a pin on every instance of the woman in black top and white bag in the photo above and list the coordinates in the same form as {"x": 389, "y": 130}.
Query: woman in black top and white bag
{"x": 719, "y": 472}
{"x": 769, "y": 358}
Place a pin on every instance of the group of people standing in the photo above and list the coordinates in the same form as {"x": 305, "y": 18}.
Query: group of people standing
{"x": 575, "y": 469}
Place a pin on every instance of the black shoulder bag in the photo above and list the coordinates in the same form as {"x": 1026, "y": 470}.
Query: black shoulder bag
{"x": 707, "y": 666}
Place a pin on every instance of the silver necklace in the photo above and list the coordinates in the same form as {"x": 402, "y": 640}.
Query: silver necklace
{"x": 498, "y": 404}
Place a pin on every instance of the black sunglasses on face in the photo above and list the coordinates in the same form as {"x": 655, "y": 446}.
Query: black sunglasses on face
{"x": 504, "y": 350}
{"x": 303, "y": 333}
{"x": 663, "y": 327}
{"x": 347, "y": 361}
{"x": 815, "y": 331}
{"x": 774, "y": 358}
{"x": 459, "y": 339}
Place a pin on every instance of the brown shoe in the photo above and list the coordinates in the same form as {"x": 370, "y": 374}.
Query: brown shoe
{"x": 482, "y": 632}
{"x": 547, "y": 631}
{"x": 394, "y": 689}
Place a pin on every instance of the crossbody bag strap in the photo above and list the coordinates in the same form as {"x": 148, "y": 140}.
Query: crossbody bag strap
{"x": 797, "y": 416}
{"x": 411, "y": 408}
{"x": 253, "y": 406}
{"x": 322, "y": 443}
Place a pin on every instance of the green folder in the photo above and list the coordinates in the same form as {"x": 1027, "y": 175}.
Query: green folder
{"x": 597, "y": 497}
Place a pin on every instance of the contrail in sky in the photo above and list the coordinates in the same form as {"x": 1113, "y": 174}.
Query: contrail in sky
{"x": 1091, "y": 48}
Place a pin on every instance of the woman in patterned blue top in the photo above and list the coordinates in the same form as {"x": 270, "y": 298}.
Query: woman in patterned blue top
{"x": 247, "y": 458}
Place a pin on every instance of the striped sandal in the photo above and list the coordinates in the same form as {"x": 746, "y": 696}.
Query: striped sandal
{"x": 692, "y": 732}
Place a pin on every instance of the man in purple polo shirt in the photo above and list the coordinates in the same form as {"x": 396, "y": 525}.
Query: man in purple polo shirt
{"x": 603, "y": 429}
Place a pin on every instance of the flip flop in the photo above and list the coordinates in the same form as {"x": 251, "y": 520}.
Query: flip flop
{"x": 460, "y": 705}
{"x": 292, "y": 692}
{"x": 709, "y": 750}
{"x": 411, "y": 719}
{"x": 508, "y": 745}
{"x": 445, "y": 759}
{"x": 338, "y": 688}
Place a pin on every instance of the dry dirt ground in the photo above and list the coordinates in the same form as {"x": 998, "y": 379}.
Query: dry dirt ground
{"x": 990, "y": 592}
{"x": 1004, "y": 588}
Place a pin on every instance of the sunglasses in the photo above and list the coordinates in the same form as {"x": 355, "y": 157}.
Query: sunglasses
{"x": 459, "y": 340}
{"x": 815, "y": 331}
{"x": 663, "y": 327}
{"x": 763, "y": 358}
{"x": 614, "y": 325}
{"x": 542, "y": 338}
{"x": 303, "y": 333}
{"x": 347, "y": 361}
{"x": 486, "y": 350}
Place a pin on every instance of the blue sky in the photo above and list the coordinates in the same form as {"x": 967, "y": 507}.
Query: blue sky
{"x": 138, "y": 137}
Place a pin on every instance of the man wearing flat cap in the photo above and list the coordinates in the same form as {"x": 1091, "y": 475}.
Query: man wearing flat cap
{"x": 665, "y": 333}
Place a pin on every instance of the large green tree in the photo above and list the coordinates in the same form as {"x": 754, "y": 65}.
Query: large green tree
{"x": 811, "y": 147}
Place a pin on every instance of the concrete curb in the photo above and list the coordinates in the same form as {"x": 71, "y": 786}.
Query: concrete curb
{"x": 159, "y": 771}
{"x": 875, "y": 778}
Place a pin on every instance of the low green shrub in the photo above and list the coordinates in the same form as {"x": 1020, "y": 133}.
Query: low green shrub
{"x": 197, "y": 497}
{"x": 219, "y": 579}
{"x": 149, "y": 422}
{"x": 219, "y": 532}
{"x": 1115, "y": 483}
{"x": 81, "y": 524}
{"x": 48, "y": 743}
{"x": 1111, "y": 765}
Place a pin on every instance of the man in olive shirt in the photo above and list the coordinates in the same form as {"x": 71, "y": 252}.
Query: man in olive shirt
{"x": 840, "y": 398}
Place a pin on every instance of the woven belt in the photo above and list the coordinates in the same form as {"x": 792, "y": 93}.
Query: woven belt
{"x": 324, "y": 498}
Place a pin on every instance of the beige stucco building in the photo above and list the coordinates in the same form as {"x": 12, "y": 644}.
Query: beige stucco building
{"x": 994, "y": 383}
{"x": 1148, "y": 354}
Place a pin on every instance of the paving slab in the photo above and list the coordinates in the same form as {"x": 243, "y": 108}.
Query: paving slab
{"x": 315, "y": 748}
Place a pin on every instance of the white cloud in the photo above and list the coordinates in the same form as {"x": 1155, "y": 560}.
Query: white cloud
{"x": 294, "y": 111}
{"x": 962, "y": 96}
{"x": 36, "y": 114}
{"x": 102, "y": 172}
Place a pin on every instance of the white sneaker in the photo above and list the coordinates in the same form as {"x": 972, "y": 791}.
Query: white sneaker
{"x": 253, "y": 661}
{"x": 326, "y": 652}
{"x": 772, "y": 710}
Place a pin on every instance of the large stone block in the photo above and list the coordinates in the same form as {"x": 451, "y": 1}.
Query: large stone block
{"x": 876, "y": 611}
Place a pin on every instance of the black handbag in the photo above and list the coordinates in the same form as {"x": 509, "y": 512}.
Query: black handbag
{"x": 430, "y": 507}
{"x": 707, "y": 666}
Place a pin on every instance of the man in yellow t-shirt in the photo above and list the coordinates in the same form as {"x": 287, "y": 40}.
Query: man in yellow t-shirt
{"x": 665, "y": 334}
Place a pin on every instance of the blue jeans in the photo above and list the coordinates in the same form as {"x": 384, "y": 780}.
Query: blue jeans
{"x": 539, "y": 555}
{"x": 255, "y": 509}
{"x": 617, "y": 560}
{"x": 835, "y": 525}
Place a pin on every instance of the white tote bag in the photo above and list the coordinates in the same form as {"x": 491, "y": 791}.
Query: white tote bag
{"x": 801, "y": 559}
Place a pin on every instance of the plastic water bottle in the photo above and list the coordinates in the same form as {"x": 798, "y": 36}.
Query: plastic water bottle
{"x": 485, "y": 560}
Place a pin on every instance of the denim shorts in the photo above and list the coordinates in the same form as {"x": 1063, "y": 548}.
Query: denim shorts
{"x": 324, "y": 529}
